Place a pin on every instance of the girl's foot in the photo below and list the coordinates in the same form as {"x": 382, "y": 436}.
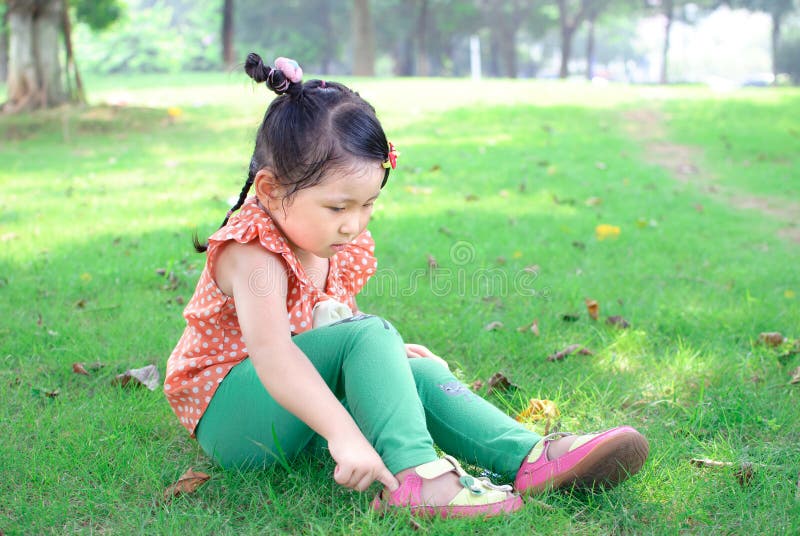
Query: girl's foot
{"x": 443, "y": 488}
{"x": 586, "y": 461}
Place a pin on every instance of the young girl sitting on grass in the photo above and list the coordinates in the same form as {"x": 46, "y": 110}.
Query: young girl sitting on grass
{"x": 275, "y": 351}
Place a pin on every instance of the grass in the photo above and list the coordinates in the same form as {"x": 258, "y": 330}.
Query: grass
{"x": 95, "y": 200}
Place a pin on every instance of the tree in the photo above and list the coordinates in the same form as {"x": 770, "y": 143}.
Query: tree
{"x": 570, "y": 16}
{"x": 363, "y": 39}
{"x": 3, "y": 43}
{"x": 228, "y": 54}
{"x": 35, "y": 77}
{"x": 505, "y": 20}
{"x": 777, "y": 10}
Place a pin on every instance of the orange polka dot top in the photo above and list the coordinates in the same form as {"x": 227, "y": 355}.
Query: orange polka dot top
{"x": 212, "y": 342}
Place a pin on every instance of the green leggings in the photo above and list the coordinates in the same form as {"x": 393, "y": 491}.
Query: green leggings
{"x": 403, "y": 406}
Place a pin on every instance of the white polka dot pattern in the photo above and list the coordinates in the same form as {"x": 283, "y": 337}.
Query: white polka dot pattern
{"x": 212, "y": 342}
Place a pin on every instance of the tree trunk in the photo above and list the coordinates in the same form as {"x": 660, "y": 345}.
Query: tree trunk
{"x": 776, "y": 38}
{"x": 508, "y": 47}
{"x": 423, "y": 68}
{"x": 78, "y": 94}
{"x": 363, "y": 40}
{"x": 568, "y": 28}
{"x": 228, "y": 54}
{"x": 590, "y": 45}
{"x": 34, "y": 70}
{"x": 4, "y": 47}
{"x": 670, "y": 15}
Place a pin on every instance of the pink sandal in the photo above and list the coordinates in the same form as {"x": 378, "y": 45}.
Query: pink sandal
{"x": 478, "y": 498}
{"x": 601, "y": 459}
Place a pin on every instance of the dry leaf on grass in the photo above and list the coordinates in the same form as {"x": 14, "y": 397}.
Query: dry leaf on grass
{"x": 593, "y": 307}
{"x": 533, "y": 327}
{"x": 493, "y": 326}
{"x": 617, "y": 321}
{"x": 78, "y": 368}
{"x": 147, "y": 376}
{"x": 187, "y": 483}
{"x": 771, "y": 338}
{"x": 795, "y": 376}
{"x": 477, "y": 384}
{"x": 46, "y": 393}
{"x": 432, "y": 264}
{"x": 571, "y": 349}
{"x": 539, "y": 410}
{"x": 499, "y": 382}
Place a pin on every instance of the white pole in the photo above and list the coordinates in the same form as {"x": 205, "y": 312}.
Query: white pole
{"x": 475, "y": 57}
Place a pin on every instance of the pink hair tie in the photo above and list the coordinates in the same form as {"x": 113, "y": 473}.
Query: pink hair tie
{"x": 290, "y": 69}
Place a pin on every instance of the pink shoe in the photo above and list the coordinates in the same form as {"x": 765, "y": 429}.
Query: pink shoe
{"x": 601, "y": 459}
{"x": 478, "y": 498}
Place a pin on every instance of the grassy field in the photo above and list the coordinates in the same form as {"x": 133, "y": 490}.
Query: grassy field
{"x": 504, "y": 183}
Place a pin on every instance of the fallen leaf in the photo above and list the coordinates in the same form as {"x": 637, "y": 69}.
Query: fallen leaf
{"x": 558, "y": 201}
{"x": 532, "y": 269}
{"x": 569, "y": 317}
{"x": 86, "y": 277}
{"x": 187, "y": 483}
{"x": 538, "y": 410}
{"x": 577, "y": 244}
{"x": 445, "y": 231}
{"x": 795, "y": 376}
{"x": 179, "y": 300}
{"x": 147, "y": 376}
{"x": 771, "y": 338}
{"x": 617, "y": 321}
{"x": 493, "y": 326}
{"x": 600, "y": 165}
{"x": 517, "y": 254}
{"x": 477, "y": 384}
{"x": 571, "y": 349}
{"x": 432, "y": 264}
{"x": 699, "y": 208}
{"x": 789, "y": 294}
{"x": 79, "y": 368}
{"x": 471, "y": 197}
{"x": 522, "y": 187}
{"x": 593, "y": 201}
{"x": 161, "y": 271}
{"x": 593, "y": 307}
{"x": 605, "y": 230}
{"x": 46, "y": 393}
{"x": 503, "y": 193}
{"x": 533, "y": 327}
{"x": 744, "y": 474}
{"x": 501, "y": 260}
{"x": 434, "y": 168}
{"x": 498, "y": 382}
{"x": 80, "y": 304}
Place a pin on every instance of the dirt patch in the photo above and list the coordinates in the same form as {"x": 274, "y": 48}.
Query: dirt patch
{"x": 647, "y": 126}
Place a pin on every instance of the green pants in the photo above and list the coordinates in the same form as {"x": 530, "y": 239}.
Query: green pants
{"x": 402, "y": 406}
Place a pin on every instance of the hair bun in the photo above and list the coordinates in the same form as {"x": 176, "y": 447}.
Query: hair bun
{"x": 255, "y": 68}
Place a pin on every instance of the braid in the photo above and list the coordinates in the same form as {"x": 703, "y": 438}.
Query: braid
{"x": 201, "y": 248}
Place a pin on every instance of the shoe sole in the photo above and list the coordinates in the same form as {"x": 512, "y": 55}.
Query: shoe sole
{"x": 610, "y": 462}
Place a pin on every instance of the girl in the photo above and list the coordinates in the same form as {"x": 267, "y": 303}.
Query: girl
{"x": 275, "y": 352}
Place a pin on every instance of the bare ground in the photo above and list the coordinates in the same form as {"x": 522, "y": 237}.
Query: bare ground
{"x": 682, "y": 161}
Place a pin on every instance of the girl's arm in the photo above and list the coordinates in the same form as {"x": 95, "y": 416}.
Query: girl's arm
{"x": 257, "y": 281}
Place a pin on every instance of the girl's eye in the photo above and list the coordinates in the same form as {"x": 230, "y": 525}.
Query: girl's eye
{"x": 370, "y": 205}
{"x": 337, "y": 209}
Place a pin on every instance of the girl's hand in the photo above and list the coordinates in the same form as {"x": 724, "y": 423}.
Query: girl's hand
{"x": 358, "y": 465}
{"x": 417, "y": 350}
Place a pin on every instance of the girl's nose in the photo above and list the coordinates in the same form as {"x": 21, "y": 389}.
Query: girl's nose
{"x": 350, "y": 226}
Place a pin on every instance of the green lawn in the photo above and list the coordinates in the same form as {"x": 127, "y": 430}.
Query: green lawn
{"x": 493, "y": 178}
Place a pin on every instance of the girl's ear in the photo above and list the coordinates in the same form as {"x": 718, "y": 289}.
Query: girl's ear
{"x": 266, "y": 186}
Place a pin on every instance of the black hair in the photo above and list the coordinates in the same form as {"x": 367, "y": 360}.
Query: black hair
{"x": 309, "y": 129}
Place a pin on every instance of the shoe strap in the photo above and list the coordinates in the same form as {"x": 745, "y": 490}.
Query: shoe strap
{"x": 446, "y": 464}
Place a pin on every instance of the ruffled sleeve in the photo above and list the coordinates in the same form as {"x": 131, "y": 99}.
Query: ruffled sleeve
{"x": 357, "y": 263}
{"x": 249, "y": 224}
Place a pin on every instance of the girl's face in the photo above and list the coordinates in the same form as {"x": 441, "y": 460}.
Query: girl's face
{"x": 322, "y": 219}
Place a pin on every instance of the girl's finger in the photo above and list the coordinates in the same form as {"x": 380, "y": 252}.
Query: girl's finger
{"x": 342, "y": 476}
{"x": 386, "y": 478}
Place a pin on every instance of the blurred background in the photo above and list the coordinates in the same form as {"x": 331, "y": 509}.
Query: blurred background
{"x": 47, "y": 44}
